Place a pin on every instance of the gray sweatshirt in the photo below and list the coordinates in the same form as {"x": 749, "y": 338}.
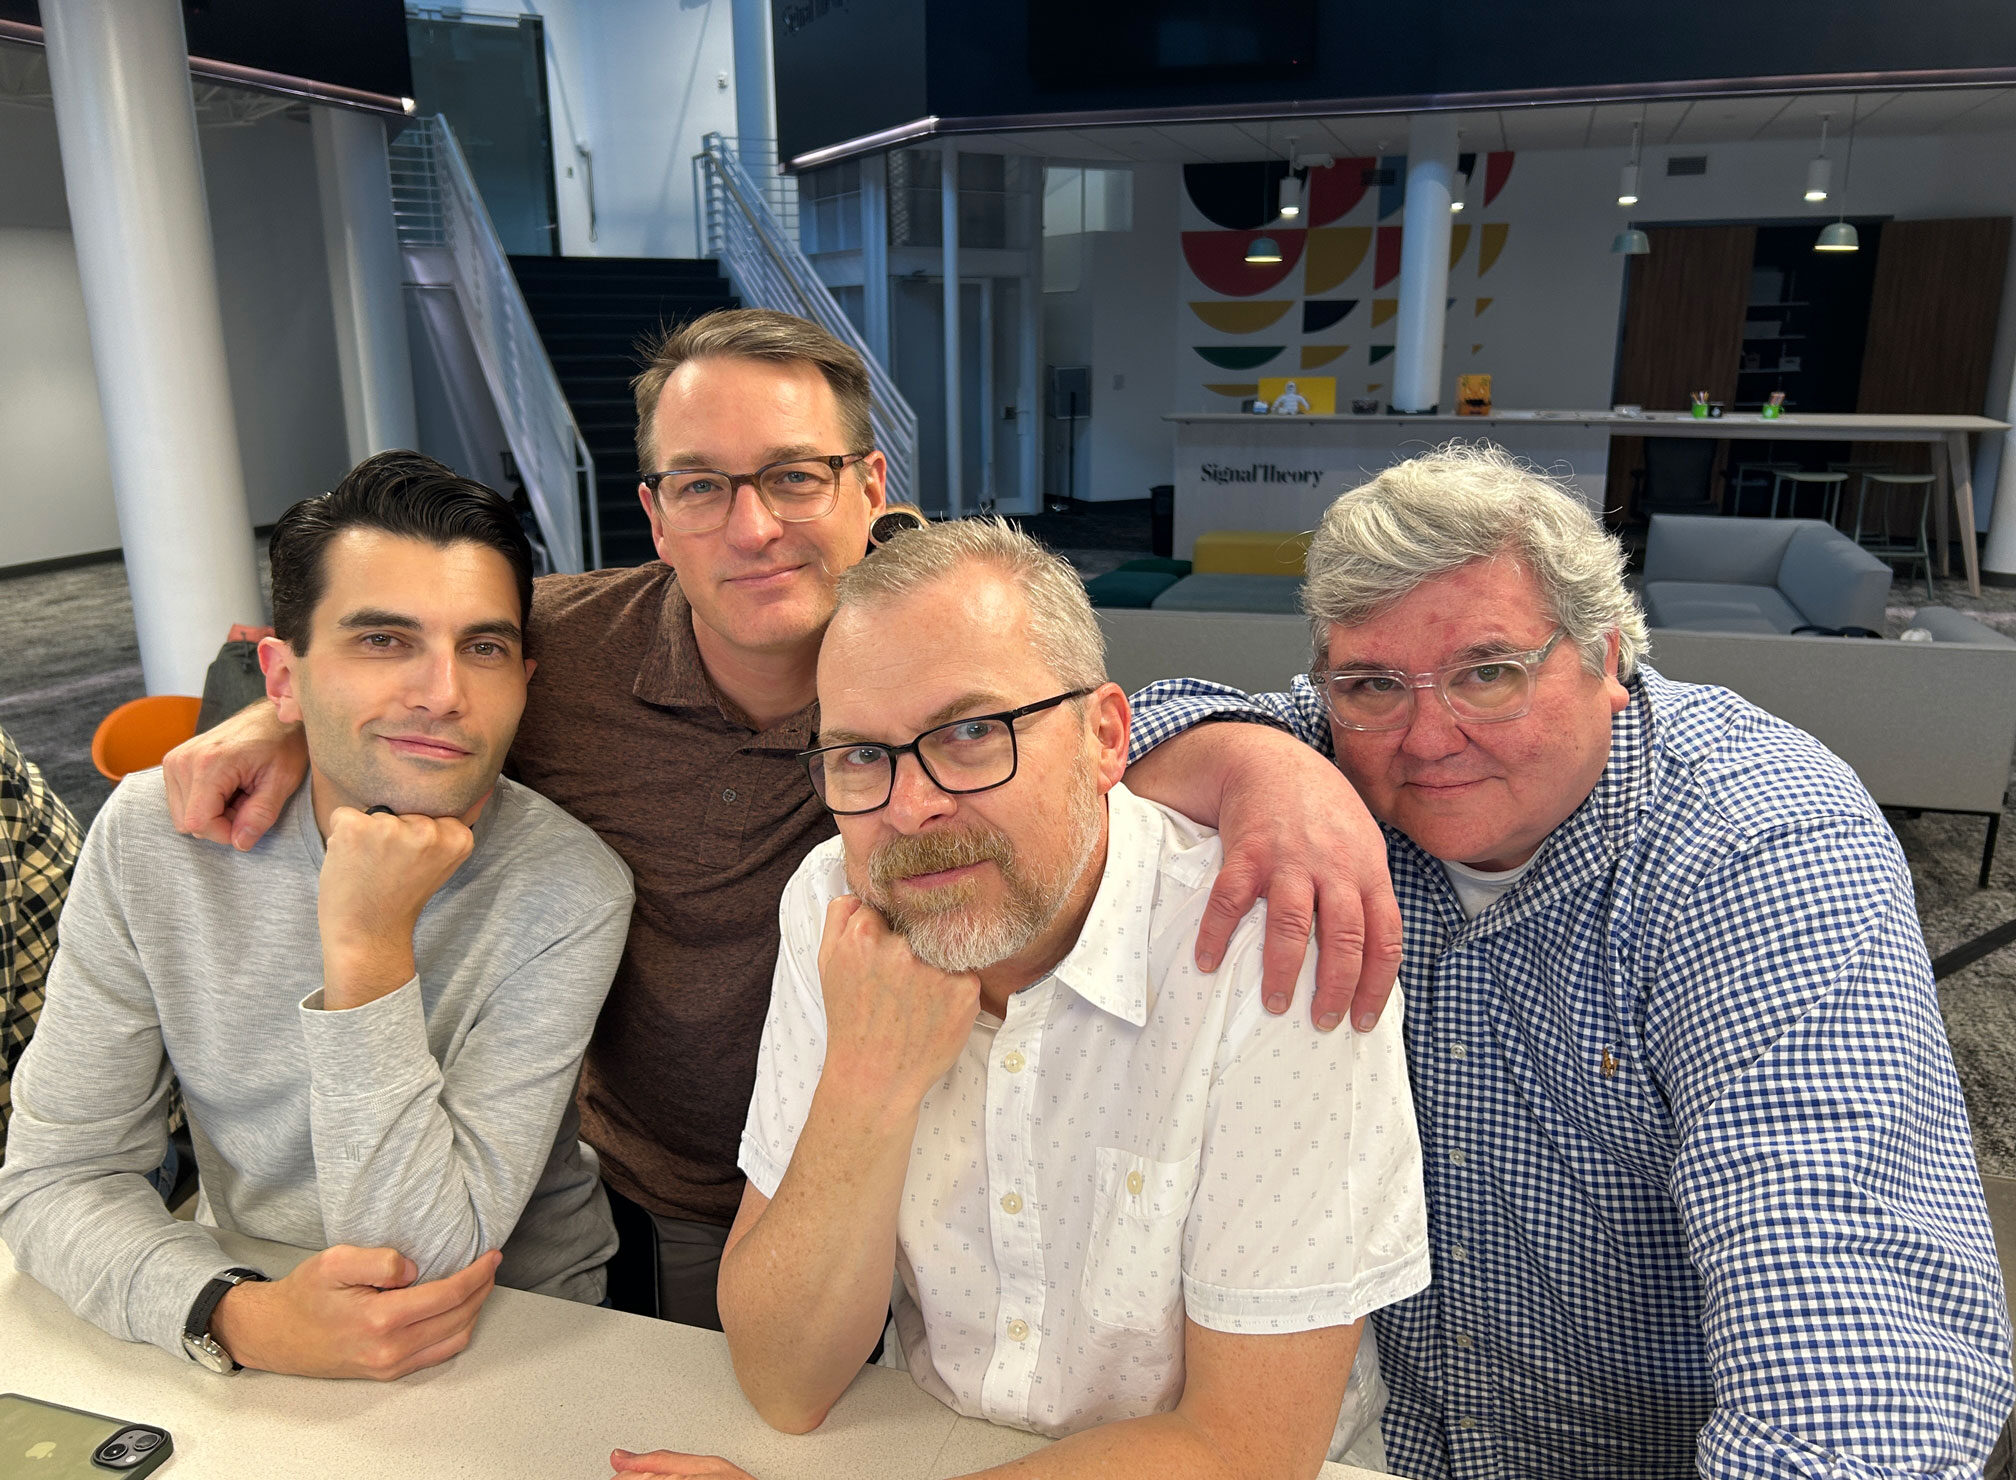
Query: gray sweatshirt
{"x": 438, "y": 1120}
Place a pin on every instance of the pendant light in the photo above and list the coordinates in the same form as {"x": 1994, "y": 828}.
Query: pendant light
{"x": 1819, "y": 174}
{"x": 1631, "y": 242}
{"x": 1838, "y": 235}
{"x": 1263, "y": 249}
{"x": 1290, "y": 195}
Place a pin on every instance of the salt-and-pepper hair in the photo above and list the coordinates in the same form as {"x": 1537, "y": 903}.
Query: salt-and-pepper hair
{"x": 1435, "y": 513}
{"x": 1062, "y": 629}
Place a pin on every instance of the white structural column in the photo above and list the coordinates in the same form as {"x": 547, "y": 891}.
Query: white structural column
{"x": 1998, "y": 557}
{"x": 1029, "y": 347}
{"x": 755, "y": 127}
{"x": 955, "y": 446}
{"x": 875, "y": 256}
{"x": 366, "y": 280}
{"x": 1424, "y": 263}
{"x": 119, "y": 70}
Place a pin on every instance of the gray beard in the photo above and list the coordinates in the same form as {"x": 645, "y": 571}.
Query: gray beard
{"x": 953, "y": 935}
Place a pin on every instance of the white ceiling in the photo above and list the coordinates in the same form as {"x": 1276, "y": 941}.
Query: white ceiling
{"x": 1568, "y": 126}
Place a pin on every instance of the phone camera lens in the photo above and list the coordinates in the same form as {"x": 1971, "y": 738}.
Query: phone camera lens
{"x": 114, "y": 1450}
{"x": 144, "y": 1443}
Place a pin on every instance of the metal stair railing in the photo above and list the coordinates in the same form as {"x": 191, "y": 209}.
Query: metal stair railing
{"x": 436, "y": 205}
{"x": 768, "y": 270}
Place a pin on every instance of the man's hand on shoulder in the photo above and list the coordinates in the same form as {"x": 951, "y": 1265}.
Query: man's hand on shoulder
{"x": 894, "y": 1026}
{"x": 230, "y": 783}
{"x": 666, "y": 1462}
{"x": 350, "y": 1312}
{"x": 377, "y": 876}
{"x": 1296, "y": 834}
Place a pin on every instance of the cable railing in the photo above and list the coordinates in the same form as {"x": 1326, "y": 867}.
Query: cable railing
{"x": 437, "y": 205}
{"x": 742, "y": 231}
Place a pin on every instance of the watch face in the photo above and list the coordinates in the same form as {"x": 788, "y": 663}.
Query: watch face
{"x": 205, "y": 1350}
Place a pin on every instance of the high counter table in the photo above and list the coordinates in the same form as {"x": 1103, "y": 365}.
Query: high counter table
{"x": 544, "y": 1391}
{"x": 1239, "y": 471}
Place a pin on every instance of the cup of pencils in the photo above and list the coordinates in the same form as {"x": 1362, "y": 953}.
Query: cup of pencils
{"x": 1700, "y": 406}
{"x": 1775, "y": 407}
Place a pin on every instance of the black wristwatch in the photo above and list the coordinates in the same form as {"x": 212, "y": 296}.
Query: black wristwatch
{"x": 196, "y": 1338}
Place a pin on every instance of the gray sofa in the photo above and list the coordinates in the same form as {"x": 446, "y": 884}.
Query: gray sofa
{"x": 1759, "y": 575}
{"x": 1926, "y": 725}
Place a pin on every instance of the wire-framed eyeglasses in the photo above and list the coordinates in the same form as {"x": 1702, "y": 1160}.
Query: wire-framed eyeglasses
{"x": 977, "y": 753}
{"x": 796, "y": 491}
{"x": 1480, "y": 692}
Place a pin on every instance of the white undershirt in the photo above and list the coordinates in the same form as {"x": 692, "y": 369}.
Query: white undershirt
{"x": 1478, "y": 889}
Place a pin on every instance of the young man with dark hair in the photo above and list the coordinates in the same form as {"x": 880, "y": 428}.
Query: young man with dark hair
{"x": 376, "y": 1014}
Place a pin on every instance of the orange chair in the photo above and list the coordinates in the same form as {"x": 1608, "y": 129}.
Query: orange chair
{"x": 136, "y": 735}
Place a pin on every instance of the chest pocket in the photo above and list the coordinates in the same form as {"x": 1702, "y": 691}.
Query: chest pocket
{"x": 1134, "y": 1259}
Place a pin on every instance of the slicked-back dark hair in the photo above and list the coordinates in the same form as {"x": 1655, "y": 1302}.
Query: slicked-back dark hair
{"x": 400, "y": 493}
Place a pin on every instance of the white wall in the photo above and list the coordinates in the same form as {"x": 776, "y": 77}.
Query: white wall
{"x": 639, "y": 82}
{"x": 1117, "y": 321}
{"x": 55, "y": 485}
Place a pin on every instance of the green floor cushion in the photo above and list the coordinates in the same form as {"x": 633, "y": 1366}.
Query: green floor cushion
{"x": 1158, "y": 562}
{"x": 1135, "y": 588}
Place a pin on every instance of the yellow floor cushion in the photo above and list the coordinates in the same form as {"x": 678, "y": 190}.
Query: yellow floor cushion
{"x": 1250, "y": 552}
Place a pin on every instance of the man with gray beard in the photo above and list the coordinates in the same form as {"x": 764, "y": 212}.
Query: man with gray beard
{"x": 1126, "y": 1208}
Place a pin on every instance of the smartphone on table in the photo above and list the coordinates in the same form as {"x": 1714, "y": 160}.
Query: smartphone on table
{"x": 46, "y": 1441}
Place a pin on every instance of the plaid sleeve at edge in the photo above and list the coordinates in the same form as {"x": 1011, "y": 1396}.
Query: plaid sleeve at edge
{"x": 39, "y": 839}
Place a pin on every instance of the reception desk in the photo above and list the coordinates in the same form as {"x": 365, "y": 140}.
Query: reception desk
{"x": 544, "y": 1391}
{"x": 1237, "y": 471}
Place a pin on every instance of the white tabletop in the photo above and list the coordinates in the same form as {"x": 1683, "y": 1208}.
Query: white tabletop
{"x": 545, "y": 1390}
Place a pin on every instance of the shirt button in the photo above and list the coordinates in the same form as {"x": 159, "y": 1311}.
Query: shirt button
{"x": 1014, "y": 1062}
{"x": 1018, "y": 1330}
{"x": 728, "y": 795}
{"x": 1463, "y": 1340}
{"x": 1134, "y": 1183}
{"x": 1457, "y": 1051}
{"x": 1012, "y": 1203}
{"x": 1459, "y": 1253}
{"x": 1457, "y": 1158}
{"x": 1466, "y": 1422}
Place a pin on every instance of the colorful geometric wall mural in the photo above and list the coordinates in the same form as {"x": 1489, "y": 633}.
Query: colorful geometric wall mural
{"x": 1339, "y": 259}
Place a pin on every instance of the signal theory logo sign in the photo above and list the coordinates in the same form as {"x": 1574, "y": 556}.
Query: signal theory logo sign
{"x": 796, "y": 17}
{"x": 1260, "y": 473}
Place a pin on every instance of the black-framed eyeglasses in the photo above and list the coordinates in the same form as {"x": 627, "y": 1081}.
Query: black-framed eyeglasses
{"x": 1481, "y": 692}
{"x": 977, "y": 753}
{"x": 796, "y": 490}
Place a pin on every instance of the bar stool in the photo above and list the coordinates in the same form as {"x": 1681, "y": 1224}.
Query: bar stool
{"x": 1833, "y": 483}
{"x": 1884, "y": 547}
{"x": 1745, "y": 476}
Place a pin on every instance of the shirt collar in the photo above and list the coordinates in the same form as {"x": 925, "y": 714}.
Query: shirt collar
{"x": 1108, "y": 964}
{"x": 673, "y": 676}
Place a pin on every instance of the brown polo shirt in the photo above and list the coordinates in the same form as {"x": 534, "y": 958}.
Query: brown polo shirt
{"x": 623, "y": 729}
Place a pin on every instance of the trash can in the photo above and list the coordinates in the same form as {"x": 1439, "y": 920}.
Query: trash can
{"x": 1162, "y": 518}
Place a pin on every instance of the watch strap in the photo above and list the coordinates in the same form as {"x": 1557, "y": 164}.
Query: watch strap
{"x": 197, "y": 1327}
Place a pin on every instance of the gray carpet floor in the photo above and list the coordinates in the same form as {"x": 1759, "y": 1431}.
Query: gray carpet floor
{"x": 68, "y": 656}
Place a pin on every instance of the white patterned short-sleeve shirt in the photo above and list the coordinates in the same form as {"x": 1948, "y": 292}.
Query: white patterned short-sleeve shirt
{"x": 1136, "y": 1141}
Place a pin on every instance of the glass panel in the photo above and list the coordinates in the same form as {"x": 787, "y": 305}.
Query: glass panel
{"x": 489, "y": 78}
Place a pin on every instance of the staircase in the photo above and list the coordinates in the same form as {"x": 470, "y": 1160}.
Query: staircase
{"x": 595, "y": 316}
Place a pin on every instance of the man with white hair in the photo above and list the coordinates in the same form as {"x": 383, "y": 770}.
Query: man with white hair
{"x": 1701, "y": 1191}
{"x": 1126, "y": 1207}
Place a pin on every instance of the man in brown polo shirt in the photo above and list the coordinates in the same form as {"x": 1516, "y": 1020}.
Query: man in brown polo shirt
{"x": 667, "y": 714}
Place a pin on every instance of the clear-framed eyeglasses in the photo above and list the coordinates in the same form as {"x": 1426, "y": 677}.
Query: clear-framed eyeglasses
{"x": 977, "y": 753}
{"x": 1481, "y": 692}
{"x": 797, "y": 491}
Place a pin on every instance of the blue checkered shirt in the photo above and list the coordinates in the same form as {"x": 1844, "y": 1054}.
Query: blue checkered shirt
{"x": 1701, "y": 1192}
